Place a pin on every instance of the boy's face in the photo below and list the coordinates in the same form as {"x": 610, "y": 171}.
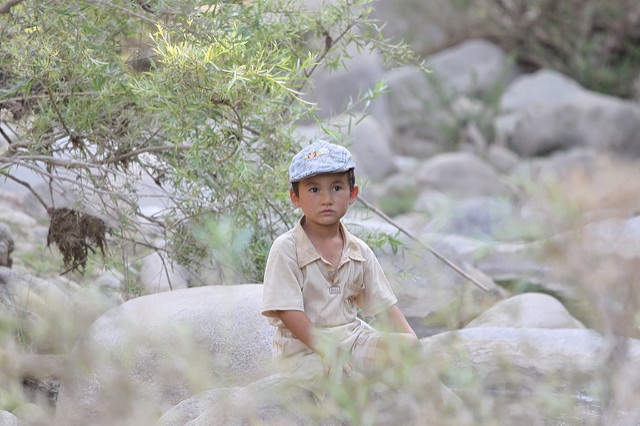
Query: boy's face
{"x": 325, "y": 198}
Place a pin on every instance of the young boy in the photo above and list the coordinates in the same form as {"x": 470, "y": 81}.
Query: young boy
{"x": 318, "y": 275}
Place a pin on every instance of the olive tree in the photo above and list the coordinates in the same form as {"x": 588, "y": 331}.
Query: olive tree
{"x": 189, "y": 106}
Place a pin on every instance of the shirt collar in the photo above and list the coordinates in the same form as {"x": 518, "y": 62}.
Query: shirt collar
{"x": 307, "y": 253}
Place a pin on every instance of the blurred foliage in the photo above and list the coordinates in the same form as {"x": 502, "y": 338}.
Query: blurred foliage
{"x": 192, "y": 102}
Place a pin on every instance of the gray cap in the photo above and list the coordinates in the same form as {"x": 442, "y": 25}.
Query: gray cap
{"x": 320, "y": 157}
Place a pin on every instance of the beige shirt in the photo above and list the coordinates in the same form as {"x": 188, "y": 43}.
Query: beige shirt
{"x": 298, "y": 278}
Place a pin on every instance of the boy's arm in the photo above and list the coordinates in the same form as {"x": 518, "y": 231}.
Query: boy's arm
{"x": 300, "y": 325}
{"x": 396, "y": 321}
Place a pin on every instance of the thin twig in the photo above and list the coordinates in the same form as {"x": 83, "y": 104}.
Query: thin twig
{"x": 422, "y": 243}
{"x": 30, "y": 188}
{"x": 6, "y": 136}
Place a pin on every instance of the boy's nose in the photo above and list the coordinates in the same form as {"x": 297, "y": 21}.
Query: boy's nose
{"x": 326, "y": 198}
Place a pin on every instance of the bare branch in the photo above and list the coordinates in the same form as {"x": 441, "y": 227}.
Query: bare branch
{"x": 30, "y": 188}
{"x": 5, "y": 136}
{"x": 6, "y": 8}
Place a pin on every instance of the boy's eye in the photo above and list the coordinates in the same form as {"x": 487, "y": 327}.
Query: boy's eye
{"x": 313, "y": 189}
{"x": 337, "y": 188}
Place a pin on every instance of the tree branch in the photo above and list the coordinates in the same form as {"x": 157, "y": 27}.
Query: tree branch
{"x": 5, "y": 136}
{"x": 30, "y": 188}
{"x": 6, "y": 8}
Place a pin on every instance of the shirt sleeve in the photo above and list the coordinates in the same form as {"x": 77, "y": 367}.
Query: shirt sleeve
{"x": 282, "y": 288}
{"x": 378, "y": 295}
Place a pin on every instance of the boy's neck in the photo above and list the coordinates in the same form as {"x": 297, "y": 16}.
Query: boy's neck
{"x": 327, "y": 240}
{"x": 319, "y": 232}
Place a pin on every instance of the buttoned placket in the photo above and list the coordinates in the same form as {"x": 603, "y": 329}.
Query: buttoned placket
{"x": 333, "y": 272}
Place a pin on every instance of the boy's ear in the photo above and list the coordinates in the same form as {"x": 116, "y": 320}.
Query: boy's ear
{"x": 354, "y": 194}
{"x": 294, "y": 198}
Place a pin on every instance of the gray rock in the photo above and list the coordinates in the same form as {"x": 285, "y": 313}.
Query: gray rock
{"x": 529, "y": 370}
{"x": 156, "y": 276}
{"x": 553, "y": 113}
{"x": 150, "y": 353}
{"x": 471, "y": 67}
{"x": 192, "y": 408}
{"x": 486, "y": 218}
{"x": 8, "y": 419}
{"x": 460, "y": 175}
{"x": 528, "y": 310}
{"x": 371, "y": 149}
{"x": 50, "y": 313}
{"x": 334, "y": 90}
{"x": 431, "y": 294}
{"x": 538, "y": 90}
{"x": 410, "y": 91}
{"x": 502, "y": 158}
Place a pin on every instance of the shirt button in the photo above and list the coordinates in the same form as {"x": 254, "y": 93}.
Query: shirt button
{"x": 331, "y": 274}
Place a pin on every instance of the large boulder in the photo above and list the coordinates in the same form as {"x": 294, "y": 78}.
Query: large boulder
{"x": 147, "y": 355}
{"x": 547, "y": 112}
{"x": 50, "y": 313}
{"x": 472, "y": 67}
{"x": 157, "y": 275}
{"x": 460, "y": 175}
{"x": 528, "y": 310}
{"x": 540, "y": 376}
{"x": 420, "y": 101}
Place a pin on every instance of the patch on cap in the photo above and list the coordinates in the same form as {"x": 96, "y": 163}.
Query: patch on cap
{"x": 320, "y": 157}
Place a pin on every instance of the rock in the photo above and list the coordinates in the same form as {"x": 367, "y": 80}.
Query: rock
{"x": 502, "y": 158}
{"x": 554, "y": 372}
{"x": 538, "y": 90}
{"x": 192, "y": 408}
{"x": 156, "y": 276}
{"x": 8, "y": 419}
{"x": 460, "y": 175}
{"x": 50, "y": 313}
{"x": 147, "y": 355}
{"x": 510, "y": 262}
{"x": 482, "y": 217}
{"x": 420, "y": 101}
{"x": 369, "y": 144}
{"x": 409, "y": 89}
{"x": 554, "y": 113}
{"x": 371, "y": 150}
{"x": 472, "y": 67}
{"x": 528, "y": 310}
{"x": 619, "y": 237}
{"x": 269, "y": 401}
{"x": 333, "y": 90}
{"x": 431, "y": 294}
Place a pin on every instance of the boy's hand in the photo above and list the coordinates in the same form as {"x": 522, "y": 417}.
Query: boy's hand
{"x": 331, "y": 372}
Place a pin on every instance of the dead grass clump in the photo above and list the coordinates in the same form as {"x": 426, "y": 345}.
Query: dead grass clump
{"x": 74, "y": 232}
